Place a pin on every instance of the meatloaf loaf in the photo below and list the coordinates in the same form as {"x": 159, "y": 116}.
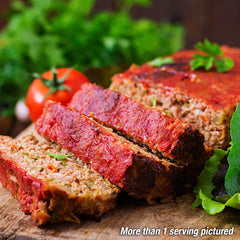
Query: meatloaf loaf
{"x": 160, "y": 133}
{"x": 52, "y": 187}
{"x": 139, "y": 173}
{"x": 206, "y": 100}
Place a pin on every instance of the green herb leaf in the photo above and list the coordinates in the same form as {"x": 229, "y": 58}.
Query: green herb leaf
{"x": 59, "y": 157}
{"x": 232, "y": 179}
{"x": 214, "y": 56}
{"x": 223, "y": 64}
{"x": 154, "y": 101}
{"x": 207, "y": 47}
{"x": 159, "y": 61}
{"x": 202, "y": 61}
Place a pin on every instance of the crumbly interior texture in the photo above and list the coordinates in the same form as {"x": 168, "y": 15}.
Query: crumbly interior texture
{"x": 213, "y": 124}
{"x": 165, "y": 136}
{"x": 72, "y": 179}
{"x": 140, "y": 173}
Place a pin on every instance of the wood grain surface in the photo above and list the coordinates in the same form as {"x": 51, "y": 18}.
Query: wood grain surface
{"x": 131, "y": 213}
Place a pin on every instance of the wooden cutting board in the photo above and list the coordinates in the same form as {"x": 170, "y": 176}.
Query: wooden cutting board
{"x": 176, "y": 220}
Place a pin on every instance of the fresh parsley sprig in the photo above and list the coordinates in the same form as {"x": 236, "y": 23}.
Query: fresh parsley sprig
{"x": 214, "y": 57}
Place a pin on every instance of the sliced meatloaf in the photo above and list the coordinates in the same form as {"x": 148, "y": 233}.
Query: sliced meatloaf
{"x": 146, "y": 126}
{"x": 206, "y": 100}
{"x": 140, "y": 173}
{"x": 51, "y": 183}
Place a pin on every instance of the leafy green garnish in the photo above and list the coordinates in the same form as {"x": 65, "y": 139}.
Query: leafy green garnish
{"x": 224, "y": 64}
{"x": 205, "y": 178}
{"x": 212, "y": 207}
{"x": 204, "y": 188}
{"x": 154, "y": 101}
{"x": 214, "y": 56}
{"x": 60, "y": 157}
{"x": 159, "y": 61}
{"x": 232, "y": 179}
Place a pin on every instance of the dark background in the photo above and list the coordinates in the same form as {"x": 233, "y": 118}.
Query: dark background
{"x": 217, "y": 20}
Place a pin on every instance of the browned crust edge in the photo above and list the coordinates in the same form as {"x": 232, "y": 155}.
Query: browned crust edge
{"x": 151, "y": 180}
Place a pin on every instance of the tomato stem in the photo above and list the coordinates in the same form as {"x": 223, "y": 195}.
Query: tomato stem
{"x": 55, "y": 84}
{"x": 55, "y": 80}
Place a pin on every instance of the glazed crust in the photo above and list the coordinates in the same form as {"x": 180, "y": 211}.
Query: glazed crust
{"x": 120, "y": 161}
{"x": 146, "y": 126}
{"x": 205, "y": 100}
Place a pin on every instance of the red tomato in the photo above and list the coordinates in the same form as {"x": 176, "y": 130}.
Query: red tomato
{"x": 36, "y": 95}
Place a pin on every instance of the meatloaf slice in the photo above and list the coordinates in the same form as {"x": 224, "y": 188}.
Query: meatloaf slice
{"x": 141, "y": 174}
{"x": 205, "y": 100}
{"x": 146, "y": 126}
{"x": 51, "y": 188}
